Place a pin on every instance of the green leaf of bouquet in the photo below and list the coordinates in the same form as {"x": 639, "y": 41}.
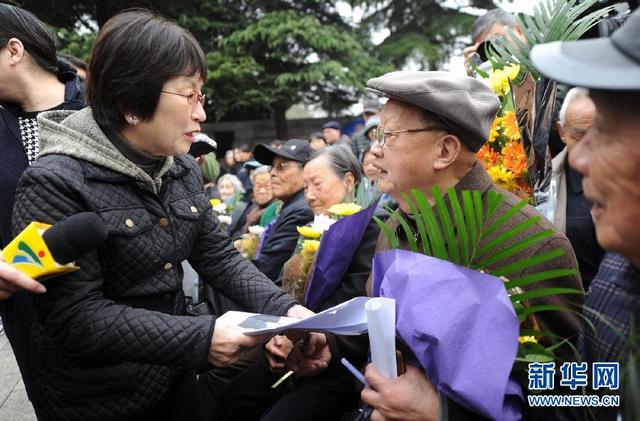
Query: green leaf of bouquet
{"x": 507, "y": 235}
{"x": 469, "y": 218}
{"x": 391, "y": 237}
{"x": 422, "y": 230}
{"x": 509, "y": 251}
{"x": 534, "y": 352}
{"x": 447, "y": 225}
{"x": 538, "y": 277}
{"x": 461, "y": 229}
{"x": 503, "y": 218}
{"x": 478, "y": 208}
{"x": 525, "y": 311}
{"x": 493, "y": 202}
{"x": 544, "y": 292}
{"x": 433, "y": 230}
{"x": 408, "y": 232}
{"x": 527, "y": 262}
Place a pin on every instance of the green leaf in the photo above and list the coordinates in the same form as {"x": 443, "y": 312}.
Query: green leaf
{"x": 527, "y": 262}
{"x": 509, "y": 234}
{"x": 408, "y": 232}
{"x": 544, "y": 292}
{"x": 445, "y": 221}
{"x": 538, "y": 277}
{"x": 504, "y": 218}
{"x": 391, "y": 237}
{"x": 422, "y": 230}
{"x": 461, "y": 229}
{"x": 509, "y": 251}
{"x": 433, "y": 230}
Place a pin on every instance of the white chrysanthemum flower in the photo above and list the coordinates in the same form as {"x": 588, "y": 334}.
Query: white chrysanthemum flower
{"x": 256, "y": 230}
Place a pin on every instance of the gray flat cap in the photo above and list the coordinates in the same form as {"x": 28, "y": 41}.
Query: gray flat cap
{"x": 465, "y": 104}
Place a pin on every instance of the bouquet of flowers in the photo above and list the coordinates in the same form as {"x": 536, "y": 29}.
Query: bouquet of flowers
{"x": 248, "y": 244}
{"x": 503, "y": 156}
{"x": 469, "y": 327}
{"x": 222, "y": 211}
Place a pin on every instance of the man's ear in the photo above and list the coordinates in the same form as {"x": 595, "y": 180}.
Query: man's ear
{"x": 561, "y": 131}
{"x": 446, "y": 150}
{"x": 16, "y": 51}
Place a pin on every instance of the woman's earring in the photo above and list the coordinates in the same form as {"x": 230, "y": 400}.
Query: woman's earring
{"x": 133, "y": 120}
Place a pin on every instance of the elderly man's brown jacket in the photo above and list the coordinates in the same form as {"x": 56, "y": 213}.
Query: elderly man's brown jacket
{"x": 565, "y": 324}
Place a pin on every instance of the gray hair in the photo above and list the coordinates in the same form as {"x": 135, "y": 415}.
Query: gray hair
{"x": 486, "y": 22}
{"x": 573, "y": 94}
{"x": 235, "y": 181}
{"x": 341, "y": 160}
{"x": 264, "y": 169}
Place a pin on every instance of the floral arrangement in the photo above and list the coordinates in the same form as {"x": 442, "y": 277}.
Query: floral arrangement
{"x": 222, "y": 211}
{"x": 503, "y": 156}
{"x": 296, "y": 270}
{"x": 248, "y": 244}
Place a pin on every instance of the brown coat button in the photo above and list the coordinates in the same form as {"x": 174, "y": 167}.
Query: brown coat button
{"x": 168, "y": 266}
{"x": 164, "y": 222}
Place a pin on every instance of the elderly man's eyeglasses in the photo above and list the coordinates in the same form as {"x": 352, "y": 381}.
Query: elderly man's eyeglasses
{"x": 193, "y": 97}
{"x": 282, "y": 166}
{"x": 379, "y": 134}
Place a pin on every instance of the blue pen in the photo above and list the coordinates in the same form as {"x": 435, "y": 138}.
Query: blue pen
{"x": 358, "y": 375}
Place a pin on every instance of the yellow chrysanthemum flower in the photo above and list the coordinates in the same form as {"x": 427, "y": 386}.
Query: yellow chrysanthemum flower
{"x": 499, "y": 79}
{"x": 495, "y": 129}
{"x": 501, "y": 176}
{"x": 523, "y": 339}
{"x": 310, "y": 247}
{"x": 308, "y": 232}
{"x": 344, "y": 209}
{"x": 512, "y": 71}
{"x": 510, "y": 125}
{"x": 215, "y": 202}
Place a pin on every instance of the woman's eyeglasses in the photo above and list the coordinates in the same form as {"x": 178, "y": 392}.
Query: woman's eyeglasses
{"x": 193, "y": 97}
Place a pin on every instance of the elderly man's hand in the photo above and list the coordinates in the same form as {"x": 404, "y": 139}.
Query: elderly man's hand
{"x": 467, "y": 58}
{"x": 309, "y": 356}
{"x": 277, "y": 350}
{"x": 228, "y": 344}
{"x": 409, "y": 397}
{"x": 12, "y": 280}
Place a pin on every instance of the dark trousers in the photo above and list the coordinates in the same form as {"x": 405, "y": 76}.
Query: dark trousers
{"x": 182, "y": 402}
{"x": 17, "y": 317}
{"x": 324, "y": 397}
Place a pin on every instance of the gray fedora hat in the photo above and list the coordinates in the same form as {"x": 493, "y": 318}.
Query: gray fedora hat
{"x": 605, "y": 63}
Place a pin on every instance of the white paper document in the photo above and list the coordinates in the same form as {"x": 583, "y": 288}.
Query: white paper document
{"x": 381, "y": 320}
{"x": 348, "y": 318}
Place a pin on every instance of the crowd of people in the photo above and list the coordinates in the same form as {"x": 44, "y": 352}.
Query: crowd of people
{"x": 120, "y": 137}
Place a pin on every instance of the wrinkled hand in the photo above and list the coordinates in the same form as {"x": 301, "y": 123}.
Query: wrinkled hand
{"x": 277, "y": 350}
{"x": 12, "y": 280}
{"x": 309, "y": 356}
{"x": 409, "y": 397}
{"x": 228, "y": 344}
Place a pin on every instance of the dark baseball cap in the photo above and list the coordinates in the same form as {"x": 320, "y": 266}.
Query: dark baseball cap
{"x": 331, "y": 125}
{"x": 605, "y": 63}
{"x": 293, "y": 149}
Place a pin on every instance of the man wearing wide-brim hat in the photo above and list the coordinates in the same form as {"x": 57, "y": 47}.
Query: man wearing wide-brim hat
{"x": 607, "y": 157}
{"x": 429, "y": 132}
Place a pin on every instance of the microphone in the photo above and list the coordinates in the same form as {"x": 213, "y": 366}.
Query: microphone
{"x": 42, "y": 250}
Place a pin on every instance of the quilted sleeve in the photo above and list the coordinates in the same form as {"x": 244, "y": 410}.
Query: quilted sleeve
{"x": 223, "y": 267}
{"x": 74, "y": 312}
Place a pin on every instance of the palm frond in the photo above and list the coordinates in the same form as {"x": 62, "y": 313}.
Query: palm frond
{"x": 552, "y": 20}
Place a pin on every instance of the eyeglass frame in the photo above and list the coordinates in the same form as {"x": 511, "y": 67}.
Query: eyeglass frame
{"x": 381, "y": 140}
{"x": 199, "y": 97}
{"x": 282, "y": 166}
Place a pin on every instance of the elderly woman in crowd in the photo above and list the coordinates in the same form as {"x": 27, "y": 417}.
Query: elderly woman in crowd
{"x": 262, "y": 197}
{"x": 330, "y": 176}
{"x": 230, "y": 188}
{"x": 112, "y": 340}
{"x": 32, "y": 80}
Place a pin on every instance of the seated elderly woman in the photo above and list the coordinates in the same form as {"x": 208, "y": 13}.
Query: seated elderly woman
{"x": 261, "y": 198}
{"x": 230, "y": 188}
{"x": 330, "y": 176}
{"x": 111, "y": 340}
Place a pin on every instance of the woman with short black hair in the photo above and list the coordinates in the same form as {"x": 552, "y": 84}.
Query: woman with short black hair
{"x": 113, "y": 340}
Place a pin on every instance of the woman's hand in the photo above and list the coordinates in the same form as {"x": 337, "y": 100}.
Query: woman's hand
{"x": 228, "y": 344}
{"x": 12, "y": 280}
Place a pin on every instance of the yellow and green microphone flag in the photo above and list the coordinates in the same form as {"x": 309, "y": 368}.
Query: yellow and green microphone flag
{"x": 29, "y": 254}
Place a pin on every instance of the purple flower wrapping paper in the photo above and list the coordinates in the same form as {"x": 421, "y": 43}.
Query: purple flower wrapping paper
{"x": 337, "y": 247}
{"x": 459, "y": 324}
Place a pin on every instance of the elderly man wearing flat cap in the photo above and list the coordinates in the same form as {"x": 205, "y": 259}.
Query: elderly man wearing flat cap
{"x": 607, "y": 157}
{"x": 281, "y": 236}
{"x": 429, "y": 132}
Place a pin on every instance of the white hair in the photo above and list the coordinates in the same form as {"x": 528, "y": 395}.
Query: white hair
{"x": 264, "y": 169}
{"x": 574, "y": 93}
{"x": 235, "y": 181}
